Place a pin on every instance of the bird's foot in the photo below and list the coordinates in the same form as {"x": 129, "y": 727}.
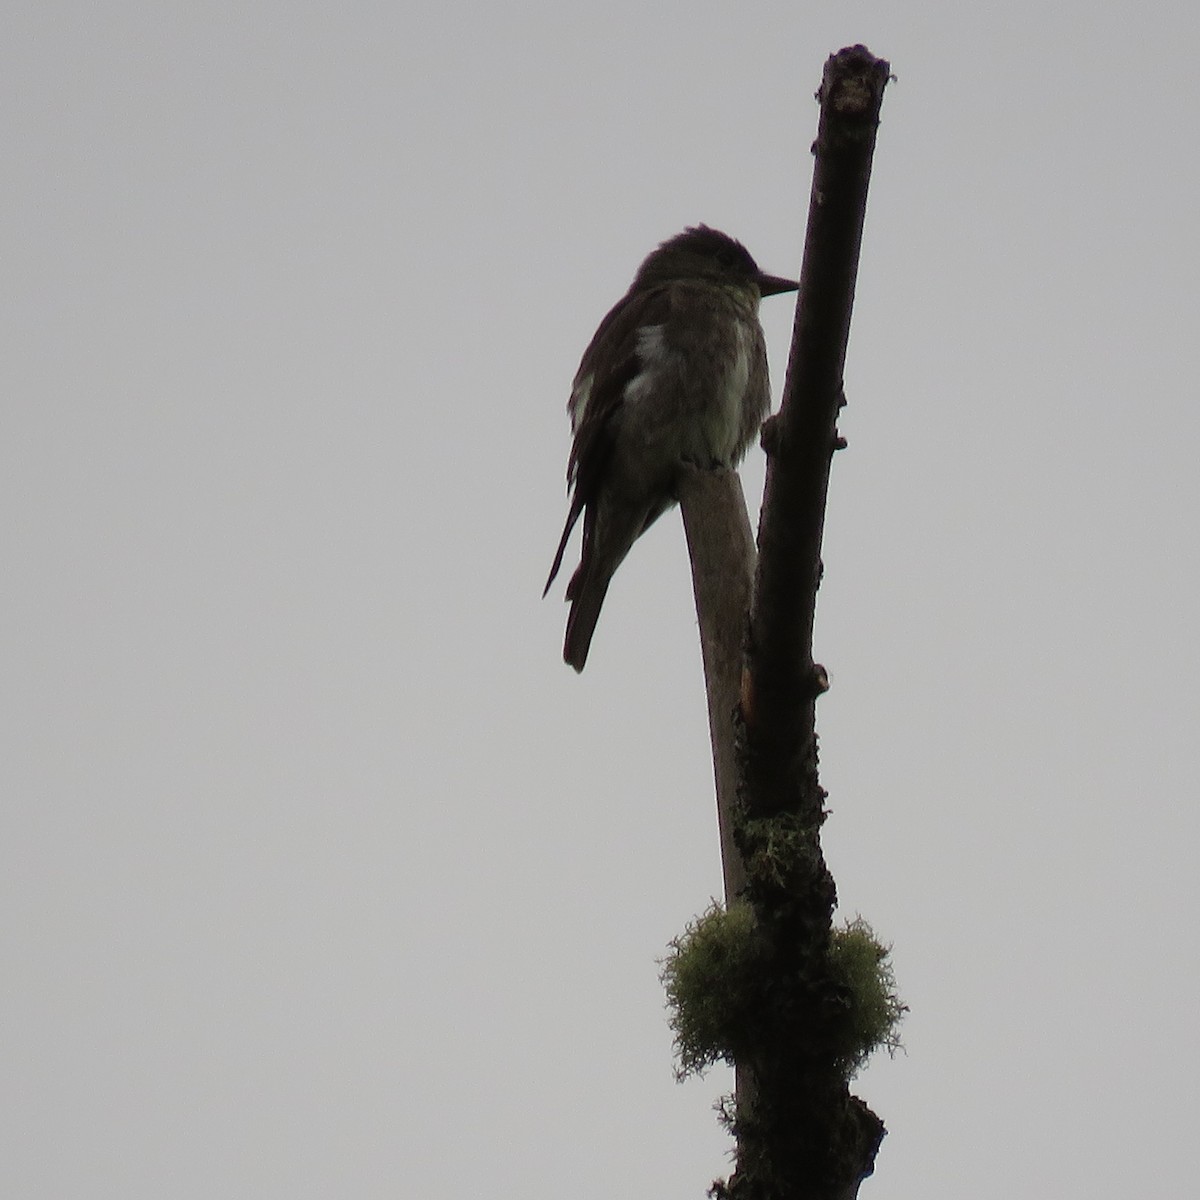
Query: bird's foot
{"x": 770, "y": 436}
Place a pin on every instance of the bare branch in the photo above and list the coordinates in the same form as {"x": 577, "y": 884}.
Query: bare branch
{"x": 779, "y": 705}
{"x": 800, "y": 1131}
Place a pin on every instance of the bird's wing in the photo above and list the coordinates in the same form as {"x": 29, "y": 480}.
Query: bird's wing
{"x": 611, "y": 362}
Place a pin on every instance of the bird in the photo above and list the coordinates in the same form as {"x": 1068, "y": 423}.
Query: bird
{"x": 675, "y": 374}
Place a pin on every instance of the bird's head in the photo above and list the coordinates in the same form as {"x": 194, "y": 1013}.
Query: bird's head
{"x": 701, "y": 253}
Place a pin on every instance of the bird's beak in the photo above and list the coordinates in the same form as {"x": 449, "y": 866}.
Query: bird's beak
{"x": 772, "y": 285}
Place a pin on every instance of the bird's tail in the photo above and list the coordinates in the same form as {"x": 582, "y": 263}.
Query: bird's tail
{"x": 586, "y": 592}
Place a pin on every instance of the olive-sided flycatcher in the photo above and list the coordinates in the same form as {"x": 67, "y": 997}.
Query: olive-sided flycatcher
{"x": 676, "y": 373}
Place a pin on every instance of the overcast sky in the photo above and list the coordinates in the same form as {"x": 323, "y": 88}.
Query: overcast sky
{"x": 320, "y": 874}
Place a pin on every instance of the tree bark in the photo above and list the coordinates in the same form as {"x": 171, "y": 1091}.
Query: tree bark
{"x": 802, "y": 1134}
{"x": 783, "y": 682}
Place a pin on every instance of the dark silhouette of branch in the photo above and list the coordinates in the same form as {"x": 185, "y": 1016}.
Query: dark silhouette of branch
{"x": 800, "y": 1132}
{"x": 765, "y": 982}
{"x": 783, "y": 683}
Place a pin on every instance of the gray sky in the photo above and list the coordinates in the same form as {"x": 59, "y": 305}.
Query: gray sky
{"x": 321, "y": 875}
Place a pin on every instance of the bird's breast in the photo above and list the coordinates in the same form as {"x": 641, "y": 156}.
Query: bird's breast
{"x": 719, "y": 394}
{"x": 736, "y": 376}
{"x": 688, "y": 399}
